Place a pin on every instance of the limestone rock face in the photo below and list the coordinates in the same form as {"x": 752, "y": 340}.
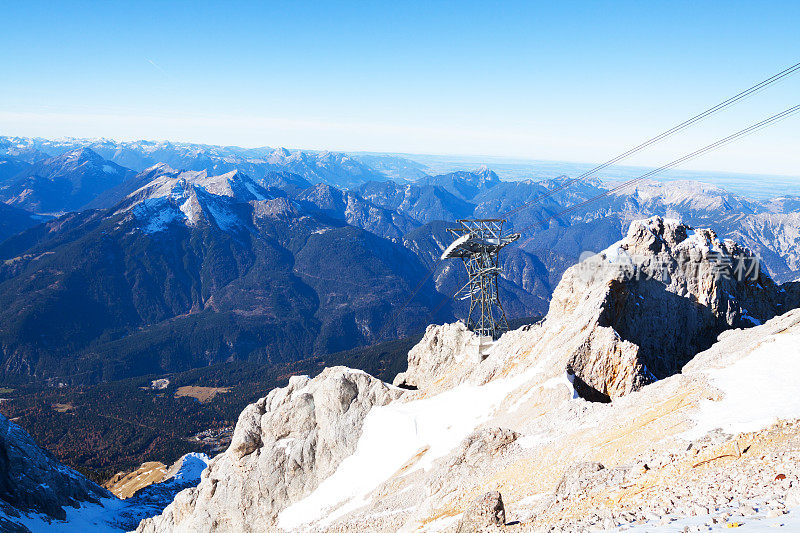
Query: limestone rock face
{"x": 486, "y": 514}
{"x": 441, "y": 349}
{"x": 283, "y": 446}
{"x": 650, "y": 302}
{"x": 31, "y": 480}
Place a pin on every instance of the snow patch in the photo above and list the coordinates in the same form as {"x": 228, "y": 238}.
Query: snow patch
{"x": 564, "y": 379}
{"x": 531, "y": 441}
{"x": 758, "y": 390}
{"x": 252, "y": 189}
{"x": 157, "y": 215}
{"x": 191, "y": 211}
{"x": 192, "y": 466}
{"x": 394, "y": 435}
{"x": 756, "y": 524}
{"x": 93, "y": 517}
{"x": 224, "y": 218}
{"x": 284, "y": 444}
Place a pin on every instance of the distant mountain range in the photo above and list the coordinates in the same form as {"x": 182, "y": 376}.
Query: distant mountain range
{"x": 192, "y": 269}
{"x": 214, "y": 254}
{"x": 333, "y": 168}
{"x": 66, "y": 182}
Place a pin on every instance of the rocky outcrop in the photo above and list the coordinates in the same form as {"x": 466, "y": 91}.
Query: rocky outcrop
{"x": 32, "y": 481}
{"x": 442, "y": 349}
{"x": 653, "y": 300}
{"x": 481, "y": 445}
{"x": 486, "y": 514}
{"x": 583, "y": 477}
{"x": 571, "y": 461}
{"x": 283, "y": 446}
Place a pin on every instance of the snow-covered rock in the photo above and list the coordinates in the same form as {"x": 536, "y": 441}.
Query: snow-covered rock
{"x": 194, "y": 197}
{"x": 634, "y": 313}
{"x": 32, "y": 481}
{"x": 39, "y": 494}
{"x": 540, "y": 458}
{"x": 106, "y": 513}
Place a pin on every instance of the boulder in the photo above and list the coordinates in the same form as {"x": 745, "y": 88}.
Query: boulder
{"x": 486, "y": 514}
{"x": 442, "y": 350}
{"x": 482, "y": 444}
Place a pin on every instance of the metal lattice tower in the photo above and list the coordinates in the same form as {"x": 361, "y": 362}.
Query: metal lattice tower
{"x": 478, "y": 243}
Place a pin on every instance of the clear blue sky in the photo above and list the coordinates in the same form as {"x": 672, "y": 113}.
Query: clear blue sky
{"x": 576, "y": 81}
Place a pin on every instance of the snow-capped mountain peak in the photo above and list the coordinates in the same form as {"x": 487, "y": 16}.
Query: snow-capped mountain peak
{"x": 191, "y": 197}
{"x": 687, "y": 195}
{"x": 168, "y": 182}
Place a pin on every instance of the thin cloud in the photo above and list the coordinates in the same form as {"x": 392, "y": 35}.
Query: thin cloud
{"x": 155, "y": 65}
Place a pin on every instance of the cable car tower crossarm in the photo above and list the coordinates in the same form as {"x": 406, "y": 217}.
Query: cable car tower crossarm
{"x": 478, "y": 243}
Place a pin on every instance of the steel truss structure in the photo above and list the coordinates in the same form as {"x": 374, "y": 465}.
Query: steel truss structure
{"x": 478, "y": 243}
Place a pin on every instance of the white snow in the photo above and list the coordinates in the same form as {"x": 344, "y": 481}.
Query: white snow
{"x": 111, "y": 513}
{"x": 618, "y": 255}
{"x": 531, "y": 441}
{"x": 251, "y": 187}
{"x": 224, "y": 218}
{"x": 758, "y": 390}
{"x": 392, "y": 436}
{"x": 108, "y": 169}
{"x": 564, "y": 379}
{"x": 700, "y": 242}
{"x": 455, "y": 244}
{"x": 192, "y": 465}
{"x": 92, "y": 517}
{"x": 159, "y": 220}
{"x": 188, "y": 209}
{"x": 284, "y": 444}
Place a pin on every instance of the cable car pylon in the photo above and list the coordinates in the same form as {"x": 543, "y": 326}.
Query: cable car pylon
{"x": 478, "y": 243}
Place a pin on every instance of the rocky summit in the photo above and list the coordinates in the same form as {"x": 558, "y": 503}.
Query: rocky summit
{"x": 663, "y": 293}
{"x": 638, "y": 402}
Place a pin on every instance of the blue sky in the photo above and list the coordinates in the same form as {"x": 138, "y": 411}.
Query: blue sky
{"x": 576, "y": 81}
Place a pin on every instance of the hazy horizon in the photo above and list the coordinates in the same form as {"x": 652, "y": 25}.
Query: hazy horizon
{"x": 515, "y": 169}
{"x": 521, "y": 80}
